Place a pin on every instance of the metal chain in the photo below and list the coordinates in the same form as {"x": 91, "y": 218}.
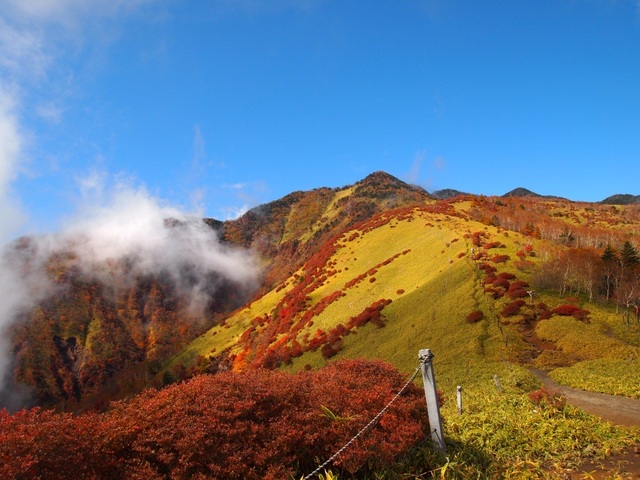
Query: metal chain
{"x": 373, "y": 420}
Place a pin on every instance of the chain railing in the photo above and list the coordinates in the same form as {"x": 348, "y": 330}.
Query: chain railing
{"x": 365, "y": 428}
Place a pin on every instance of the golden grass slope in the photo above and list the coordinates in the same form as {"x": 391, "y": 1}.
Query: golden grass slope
{"x": 424, "y": 264}
{"x": 420, "y": 259}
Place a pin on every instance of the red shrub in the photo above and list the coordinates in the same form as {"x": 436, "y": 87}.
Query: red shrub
{"x": 571, "y": 310}
{"x": 512, "y": 308}
{"x": 547, "y": 397}
{"x": 501, "y": 283}
{"x": 516, "y": 293}
{"x": 565, "y": 310}
{"x": 545, "y": 314}
{"x": 488, "y": 269}
{"x": 256, "y": 425}
{"x": 499, "y": 258}
{"x": 517, "y": 289}
{"x": 496, "y": 294}
{"x": 518, "y": 284}
{"x": 475, "y": 316}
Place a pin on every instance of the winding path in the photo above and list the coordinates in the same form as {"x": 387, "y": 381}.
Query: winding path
{"x": 615, "y": 409}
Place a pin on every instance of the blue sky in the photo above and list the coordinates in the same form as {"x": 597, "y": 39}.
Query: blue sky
{"x": 215, "y": 106}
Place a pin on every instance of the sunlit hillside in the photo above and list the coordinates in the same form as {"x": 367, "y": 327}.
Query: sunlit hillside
{"x": 474, "y": 279}
{"x": 493, "y": 286}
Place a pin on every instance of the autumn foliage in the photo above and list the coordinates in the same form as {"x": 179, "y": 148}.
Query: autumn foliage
{"x": 256, "y": 425}
{"x": 475, "y": 316}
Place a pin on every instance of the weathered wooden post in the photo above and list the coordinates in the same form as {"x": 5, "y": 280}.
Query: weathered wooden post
{"x": 496, "y": 380}
{"x": 459, "y": 399}
{"x": 431, "y": 394}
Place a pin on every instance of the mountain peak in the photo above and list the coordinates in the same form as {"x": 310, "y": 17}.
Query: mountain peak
{"x": 521, "y": 192}
{"x": 384, "y": 183}
{"x": 621, "y": 199}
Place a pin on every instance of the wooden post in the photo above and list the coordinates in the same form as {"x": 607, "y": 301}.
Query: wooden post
{"x": 459, "y": 399}
{"x": 431, "y": 395}
{"x": 496, "y": 380}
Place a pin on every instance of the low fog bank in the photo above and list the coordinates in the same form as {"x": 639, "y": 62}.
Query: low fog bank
{"x": 128, "y": 236}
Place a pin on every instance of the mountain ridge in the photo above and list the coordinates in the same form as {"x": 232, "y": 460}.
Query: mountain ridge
{"x": 289, "y": 236}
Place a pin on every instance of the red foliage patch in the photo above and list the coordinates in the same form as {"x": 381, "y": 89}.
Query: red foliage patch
{"x": 512, "y": 308}
{"x": 545, "y": 396}
{"x": 475, "y": 316}
{"x": 517, "y": 289}
{"x": 371, "y": 314}
{"x": 488, "y": 269}
{"x": 571, "y": 310}
{"x": 499, "y": 258}
{"x": 256, "y": 425}
{"x": 566, "y": 310}
{"x": 501, "y": 283}
{"x": 516, "y": 293}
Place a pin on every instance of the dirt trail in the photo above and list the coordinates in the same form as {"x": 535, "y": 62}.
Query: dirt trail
{"x": 619, "y": 410}
{"x": 615, "y": 409}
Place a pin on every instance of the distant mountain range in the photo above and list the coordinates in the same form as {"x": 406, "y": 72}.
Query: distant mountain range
{"x": 621, "y": 199}
{"x": 617, "y": 199}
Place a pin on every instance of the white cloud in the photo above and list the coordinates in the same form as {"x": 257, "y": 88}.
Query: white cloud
{"x": 34, "y": 35}
{"x": 439, "y": 163}
{"x": 255, "y": 7}
{"x": 49, "y": 112}
{"x": 413, "y": 176}
{"x": 231, "y": 213}
{"x": 67, "y": 12}
{"x": 123, "y": 225}
{"x": 11, "y": 216}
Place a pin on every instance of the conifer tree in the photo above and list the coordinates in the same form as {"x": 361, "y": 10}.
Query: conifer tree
{"x": 609, "y": 254}
{"x": 611, "y": 266}
{"x": 629, "y": 256}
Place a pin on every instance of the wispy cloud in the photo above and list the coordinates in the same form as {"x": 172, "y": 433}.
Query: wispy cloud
{"x": 244, "y": 196}
{"x": 34, "y": 36}
{"x": 268, "y": 6}
{"x": 413, "y": 176}
{"x": 11, "y": 215}
{"x": 416, "y": 174}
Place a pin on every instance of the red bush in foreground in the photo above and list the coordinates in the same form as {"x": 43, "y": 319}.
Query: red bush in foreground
{"x": 256, "y": 425}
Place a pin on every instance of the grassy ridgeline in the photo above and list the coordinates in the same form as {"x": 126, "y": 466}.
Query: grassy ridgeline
{"x": 433, "y": 285}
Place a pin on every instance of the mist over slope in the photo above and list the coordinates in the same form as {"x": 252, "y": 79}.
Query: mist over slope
{"x": 127, "y": 281}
